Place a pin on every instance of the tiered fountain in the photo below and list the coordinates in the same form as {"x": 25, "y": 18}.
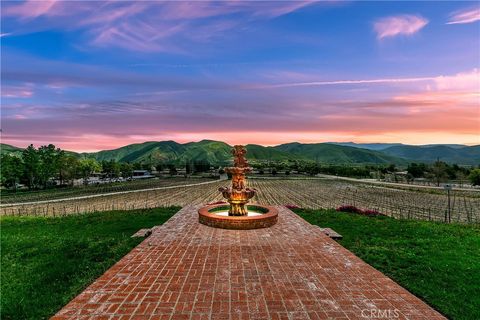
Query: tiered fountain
{"x": 238, "y": 215}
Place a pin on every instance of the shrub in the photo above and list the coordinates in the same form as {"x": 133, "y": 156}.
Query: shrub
{"x": 372, "y": 213}
{"x": 349, "y": 208}
{"x": 474, "y": 177}
{"x": 292, "y": 206}
{"x": 365, "y": 212}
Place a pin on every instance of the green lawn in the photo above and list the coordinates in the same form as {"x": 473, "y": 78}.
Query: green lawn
{"x": 45, "y": 262}
{"x": 437, "y": 262}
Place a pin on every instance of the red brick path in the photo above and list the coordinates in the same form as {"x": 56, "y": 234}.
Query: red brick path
{"x": 186, "y": 270}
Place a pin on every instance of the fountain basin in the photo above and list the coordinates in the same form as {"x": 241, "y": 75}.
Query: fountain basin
{"x": 258, "y": 217}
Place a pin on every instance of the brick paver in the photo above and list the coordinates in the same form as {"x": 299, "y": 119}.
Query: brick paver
{"x": 186, "y": 270}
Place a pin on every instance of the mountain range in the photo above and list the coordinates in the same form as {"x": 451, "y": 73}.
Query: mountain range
{"x": 217, "y": 152}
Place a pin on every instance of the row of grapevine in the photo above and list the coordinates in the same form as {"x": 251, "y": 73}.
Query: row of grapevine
{"x": 396, "y": 202}
{"x": 52, "y": 194}
{"x": 309, "y": 193}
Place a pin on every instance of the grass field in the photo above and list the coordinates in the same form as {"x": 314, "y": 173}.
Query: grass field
{"x": 45, "y": 262}
{"x": 439, "y": 263}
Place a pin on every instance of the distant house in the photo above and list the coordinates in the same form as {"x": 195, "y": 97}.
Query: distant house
{"x": 142, "y": 174}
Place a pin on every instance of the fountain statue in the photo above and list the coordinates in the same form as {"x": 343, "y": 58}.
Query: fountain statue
{"x": 237, "y": 215}
{"x": 238, "y": 194}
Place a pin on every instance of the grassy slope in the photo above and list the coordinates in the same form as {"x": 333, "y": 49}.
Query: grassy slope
{"x": 330, "y": 153}
{"x": 219, "y": 152}
{"x": 45, "y": 262}
{"x": 6, "y": 148}
{"x": 438, "y": 263}
{"x": 464, "y": 155}
{"x": 165, "y": 150}
{"x": 206, "y": 150}
{"x": 257, "y": 152}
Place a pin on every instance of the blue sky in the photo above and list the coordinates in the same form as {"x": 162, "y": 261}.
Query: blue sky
{"x": 91, "y": 75}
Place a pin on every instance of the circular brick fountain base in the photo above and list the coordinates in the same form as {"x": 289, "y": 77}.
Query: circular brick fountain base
{"x": 214, "y": 216}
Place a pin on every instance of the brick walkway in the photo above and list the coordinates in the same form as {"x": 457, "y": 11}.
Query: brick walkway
{"x": 186, "y": 270}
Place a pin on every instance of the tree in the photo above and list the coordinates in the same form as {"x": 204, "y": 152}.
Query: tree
{"x": 49, "y": 158}
{"x": 439, "y": 172}
{"x": 159, "y": 167}
{"x": 201, "y": 166}
{"x": 11, "y": 170}
{"x": 87, "y": 167}
{"x": 31, "y": 166}
{"x": 111, "y": 168}
{"x": 391, "y": 168}
{"x": 67, "y": 168}
{"x": 416, "y": 170}
{"x": 474, "y": 177}
{"x": 126, "y": 169}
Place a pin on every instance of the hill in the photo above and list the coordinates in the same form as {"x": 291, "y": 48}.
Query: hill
{"x": 451, "y": 154}
{"x": 331, "y": 153}
{"x": 258, "y": 152}
{"x": 217, "y": 152}
{"x": 9, "y": 149}
{"x": 138, "y": 152}
{"x": 369, "y": 146}
{"x": 171, "y": 151}
{"x": 167, "y": 151}
{"x": 6, "y": 148}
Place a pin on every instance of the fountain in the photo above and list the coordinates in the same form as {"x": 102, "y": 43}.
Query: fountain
{"x": 238, "y": 215}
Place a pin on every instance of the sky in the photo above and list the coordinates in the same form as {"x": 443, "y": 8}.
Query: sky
{"x": 93, "y": 75}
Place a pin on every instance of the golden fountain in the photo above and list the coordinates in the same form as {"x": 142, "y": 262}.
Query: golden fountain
{"x": 238, "y": 194}
{"x": 238, "y": 215}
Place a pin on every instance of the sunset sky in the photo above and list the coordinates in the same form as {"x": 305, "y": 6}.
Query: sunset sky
{"x": 91, "y": 75}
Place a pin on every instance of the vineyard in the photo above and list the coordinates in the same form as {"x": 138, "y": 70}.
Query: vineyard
{"x": 403, "y": 203}
{"x": 52, "y": 194}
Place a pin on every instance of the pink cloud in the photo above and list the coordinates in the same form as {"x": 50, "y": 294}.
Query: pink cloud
{"x": 469, "y": 80}
{"x": 407, "y": 109}
{"x": 30, "y": 9}
{"x": 286, "y": 8}
{"x": 25, "y": 91}
{"x": 465, "y": 16}
{"x": 399, "y": 25}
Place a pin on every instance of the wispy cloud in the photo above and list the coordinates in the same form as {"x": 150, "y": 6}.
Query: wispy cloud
{"x": 30, "y": 9}
{"x": 345, "y": 82}
{"x": 148, "y": 26}
{"x": 444, "y": 103}
{"x": 465, "y": 16}
{"x": 399, "y": 25}
{"x": 23, "y": 91}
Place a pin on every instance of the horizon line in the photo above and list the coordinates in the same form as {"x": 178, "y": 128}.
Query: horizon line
{"x": 258, "y": 144}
